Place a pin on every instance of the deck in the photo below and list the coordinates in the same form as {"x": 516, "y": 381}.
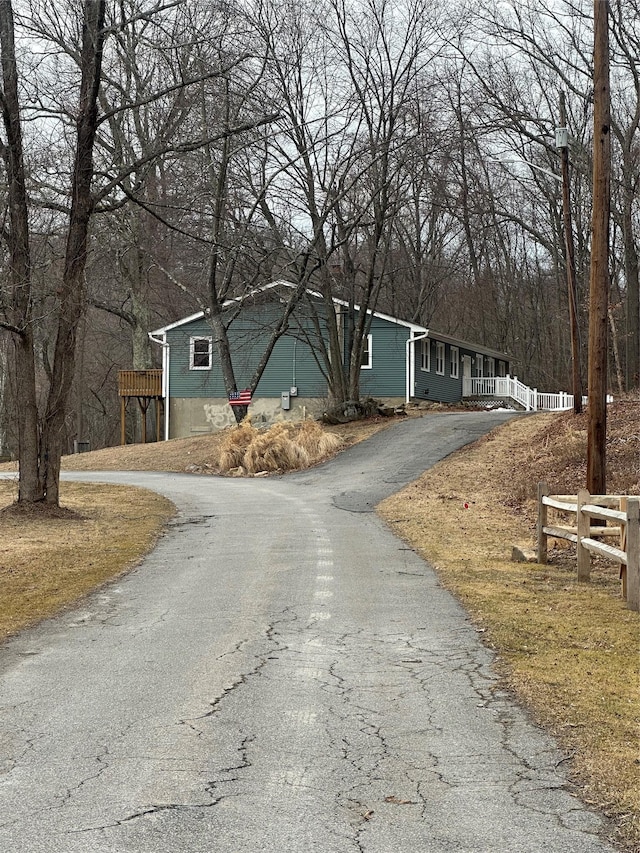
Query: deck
{"x": 140, "y": 383}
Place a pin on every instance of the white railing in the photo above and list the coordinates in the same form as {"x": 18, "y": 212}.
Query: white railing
{"x": 530, "y": 399}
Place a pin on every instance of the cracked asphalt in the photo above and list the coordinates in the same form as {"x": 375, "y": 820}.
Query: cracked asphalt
{"x": 280, "y": 674}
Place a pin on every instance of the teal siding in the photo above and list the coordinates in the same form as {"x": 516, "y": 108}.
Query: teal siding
{"x": 291, "y": 363}
{"x": 430, "y": 385}
{"x": 387, "y": 375}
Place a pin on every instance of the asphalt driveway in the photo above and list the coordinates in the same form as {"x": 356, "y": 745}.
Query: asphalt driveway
{"x": 280, "y": 674}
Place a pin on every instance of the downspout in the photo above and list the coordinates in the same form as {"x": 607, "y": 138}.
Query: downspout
{"x": 165, "y": 378}
{"x": 410, "y": 362}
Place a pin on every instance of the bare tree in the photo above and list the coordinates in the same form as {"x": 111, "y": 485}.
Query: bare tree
{"x": 41, "y": 440}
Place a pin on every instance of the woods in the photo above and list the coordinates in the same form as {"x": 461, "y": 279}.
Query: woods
{"x": 160, "y": 158}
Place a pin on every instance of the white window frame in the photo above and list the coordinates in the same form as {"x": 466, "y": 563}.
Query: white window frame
{"x": 368, "y": 353}
{"x": 491, "y": 367}
{"x": 455, "y": 363}
{"x": 192, "y": 352}
{"x": 502, "y": 369}
{"x": 425, "y": 355}
{"x": 440, "y": 358}
{"x": 479, "y": 365}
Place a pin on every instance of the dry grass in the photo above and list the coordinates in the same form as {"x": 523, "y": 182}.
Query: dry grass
{"x": 568, "y": 650}
{"x": 283, "y": 447}
{"x": 203, "y": 454}
{"x": 50, "y": 560}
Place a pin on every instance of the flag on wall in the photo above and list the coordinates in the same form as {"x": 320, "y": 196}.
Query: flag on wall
{"x": 240, "y": 398}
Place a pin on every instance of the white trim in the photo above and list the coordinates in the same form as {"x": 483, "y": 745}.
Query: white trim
{"x": 454, "y": 364}
{"x": 192, "y": 352}
{"x": 369, "y": 351}
{"x": 426, "y": 346}
{"x": 410, "y": 363}
{"x": 183, "y": 322}
{"x": 166, "y": 379}
{"x": 166, "y": 361}
{"x": 480, "y": 361}
{"x": 441, "y": 358}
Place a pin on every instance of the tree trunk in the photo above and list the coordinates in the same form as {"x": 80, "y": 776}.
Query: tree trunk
{"x": 30, "y": 479}
{"x": 632, "y": 279}
{"x": 570, "y": 260}
{"x": 71, "y": 292}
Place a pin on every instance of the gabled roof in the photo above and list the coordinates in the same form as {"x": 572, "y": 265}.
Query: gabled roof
{"x": 236, "y": 299}
{"x": 414, "y": 328}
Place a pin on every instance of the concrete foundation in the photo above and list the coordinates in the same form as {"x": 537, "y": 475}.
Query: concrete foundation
{"x": 191, "y": 416}
{"x": 198, "y": 416}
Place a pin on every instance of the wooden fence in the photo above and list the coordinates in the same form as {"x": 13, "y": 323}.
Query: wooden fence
{"x": 623, "y": 510}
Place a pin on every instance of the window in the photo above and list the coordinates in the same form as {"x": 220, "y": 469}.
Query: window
{"x": 490, "y": 364}
{"x": 200, "y": 354}
{"x": 440, "y": 358}
{"x": 455, "y": 362}
{"x": 425, "y": 355}
{"x": 502, "y": 368}
{"x": 366, "y": 361}
{"x": 479, "y": 363}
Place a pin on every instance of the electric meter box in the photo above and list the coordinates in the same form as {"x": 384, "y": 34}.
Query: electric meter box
{"x": 286, "y": 401}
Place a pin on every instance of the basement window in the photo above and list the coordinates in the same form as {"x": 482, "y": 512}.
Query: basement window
{"x": 200, "y": 350}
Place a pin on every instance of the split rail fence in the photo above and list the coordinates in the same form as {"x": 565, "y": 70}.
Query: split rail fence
{"x": 592, "y": 512}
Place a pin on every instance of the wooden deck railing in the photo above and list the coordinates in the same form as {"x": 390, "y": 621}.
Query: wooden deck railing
{"x": 140, "y": 383}
{"x": 622, "y": 509}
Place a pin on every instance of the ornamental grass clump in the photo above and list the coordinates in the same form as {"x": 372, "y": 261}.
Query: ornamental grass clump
{"x": 286, "y": 446}
{"x": 316, "y": 441}
{"x": 235, "y": 445}
{"x": 274, "y": 451}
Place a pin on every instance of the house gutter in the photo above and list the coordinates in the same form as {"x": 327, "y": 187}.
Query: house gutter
{"x": 165, "y": 378}
{"x": 410, "y": 362}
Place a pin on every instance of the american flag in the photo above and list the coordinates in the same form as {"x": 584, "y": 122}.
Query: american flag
{"x": 240, "y": 398}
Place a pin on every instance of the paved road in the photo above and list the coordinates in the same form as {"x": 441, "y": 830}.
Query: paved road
{"x": 281, "y": 674}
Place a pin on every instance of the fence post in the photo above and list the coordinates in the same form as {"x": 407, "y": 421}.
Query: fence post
{"x": 633, "y": 553}
{"x": 584, "y": 529}
{"x": 543, "y": 490}
{"x": 623, "y": 547}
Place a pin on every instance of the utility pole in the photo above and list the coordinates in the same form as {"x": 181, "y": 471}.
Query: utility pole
{"x": 599, "y": 274}
{"x": 562, "y": 144}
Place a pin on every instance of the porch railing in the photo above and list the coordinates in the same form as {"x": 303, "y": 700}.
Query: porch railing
{"x": 510, "y": 387}
{"x": 140, "y": 383}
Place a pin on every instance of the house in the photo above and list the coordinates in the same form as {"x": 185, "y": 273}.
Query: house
{"x": 401, "y": 361}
